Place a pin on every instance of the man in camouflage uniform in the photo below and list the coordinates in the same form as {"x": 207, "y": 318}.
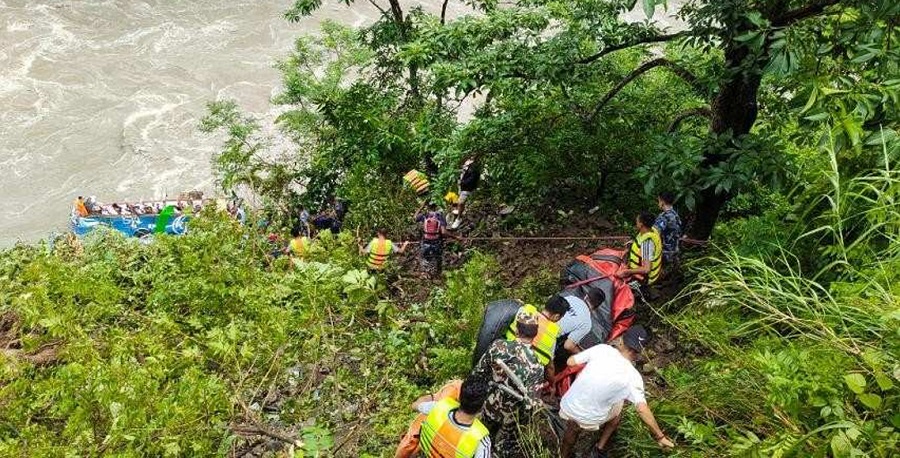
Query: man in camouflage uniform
{"x": 503, "y": 414}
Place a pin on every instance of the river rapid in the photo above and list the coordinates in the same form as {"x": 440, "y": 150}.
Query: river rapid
{"x": 104, "y": 98}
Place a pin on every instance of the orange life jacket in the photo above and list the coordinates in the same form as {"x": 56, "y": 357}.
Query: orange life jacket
{"x": 80, "y": 208}
{"x": 418, "y": 181}
{"x": 299, "y": 246}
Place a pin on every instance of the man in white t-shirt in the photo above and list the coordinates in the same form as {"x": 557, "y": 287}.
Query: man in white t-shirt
{"x": 595, "y": 399}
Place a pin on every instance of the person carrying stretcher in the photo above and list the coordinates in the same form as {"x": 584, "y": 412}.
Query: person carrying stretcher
{"x": 644, "y": 254}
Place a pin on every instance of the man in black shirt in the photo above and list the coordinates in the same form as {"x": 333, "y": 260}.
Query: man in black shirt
{"x": 469, "y": 177}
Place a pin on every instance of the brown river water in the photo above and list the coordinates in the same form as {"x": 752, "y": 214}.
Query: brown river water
{"x": 103, "y": 98}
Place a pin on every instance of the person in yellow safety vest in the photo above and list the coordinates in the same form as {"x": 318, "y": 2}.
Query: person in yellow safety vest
{"x": 379, "y": 249}
{"x": 417, "y": 181}
{"x": 544, "y": 343}
{"x": 298, "y": 247}
{"x": 645, "y": 253}
{"x": 451, "y": 429}
{"x": 409, "y": 443}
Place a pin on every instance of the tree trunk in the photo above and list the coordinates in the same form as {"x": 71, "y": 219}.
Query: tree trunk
{"x": 734, "y": 110}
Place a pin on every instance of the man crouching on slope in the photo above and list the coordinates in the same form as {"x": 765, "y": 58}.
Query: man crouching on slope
{"x": 595, "y": 399}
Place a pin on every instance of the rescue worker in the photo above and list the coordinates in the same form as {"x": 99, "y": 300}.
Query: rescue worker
{"x": 577, "y": 322}
{"x": 409, "y": 443}
{"x": 303, "y": 220}
{"x": 434, "y": 229}
{"x": 298, "y": 247}
{"x": 644, "y": 254}
{"x": 668, "y": 224}
{"x": 451, "y": 429}
{"x": 505, "y": 414}
{"x": 544, "y": 343}
{"x": 379, "y": 249}
{"x": 451, "y": 199}
{"x": 339, "y": 212}
{"x": 79, "y": 207}
{"x": 469, "y": 177}
{"x": 598, "y": 394}
{"x": 327, "y": 220}
{"x": 418, "y": 182}
{"x": 234, "y": 209}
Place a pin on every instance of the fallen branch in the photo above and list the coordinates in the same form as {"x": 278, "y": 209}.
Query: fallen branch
{"x": 45, "y": 355}
{"x": 258, "y": 430}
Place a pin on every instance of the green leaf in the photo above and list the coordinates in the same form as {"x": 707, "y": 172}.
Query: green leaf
{"x": 829, "y": 90}
{"x": 856, "y": 383}
{"x": 817, "y": 117}
{"x": 882, "y": 136}
{"x": 649, "y": 8}
{"x": 840, "y": 445}
{"x": 813, "y": 96}
{"x": 863, "y": 58}
{"x": 757, "y": 19}
{"x": 870, "y": 400}
{"x": 884, "y": 382}
{"x": 751, "y": 35}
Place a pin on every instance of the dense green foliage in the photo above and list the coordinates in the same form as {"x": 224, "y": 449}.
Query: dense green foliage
{"x": 780, "y": 115}
{"x": 566, "y": 101}
{"x": 161, "y": 349}
{"x": 804, "y": 329}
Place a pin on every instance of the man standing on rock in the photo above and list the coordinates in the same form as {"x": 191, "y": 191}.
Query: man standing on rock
{"x": 504, "y": 414}
{"x": 595, "y": 399}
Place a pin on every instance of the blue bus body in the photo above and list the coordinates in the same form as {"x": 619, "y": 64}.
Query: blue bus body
{"x": 130, "y": 225}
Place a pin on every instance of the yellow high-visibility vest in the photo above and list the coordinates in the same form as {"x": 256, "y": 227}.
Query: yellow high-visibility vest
{"x": 635, "y": 258}
{"x": 544, "y": 343}
{"x": 378, "y": 253}
{"x": 441, "y": 438}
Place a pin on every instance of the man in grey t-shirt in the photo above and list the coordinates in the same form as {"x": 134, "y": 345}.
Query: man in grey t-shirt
{"x": 577, "y": 322}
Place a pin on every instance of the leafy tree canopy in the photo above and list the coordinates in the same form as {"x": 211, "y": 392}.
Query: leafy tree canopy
{"x": 710, "y": 108}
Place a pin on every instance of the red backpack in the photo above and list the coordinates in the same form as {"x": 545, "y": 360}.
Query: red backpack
{"x": 432, "y": 227}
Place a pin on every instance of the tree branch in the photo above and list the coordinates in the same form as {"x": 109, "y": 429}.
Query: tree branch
{"x": 259, "y": 430}
{"x": 699, "y": 111}
{"x": 444, "y": 12}
{"x": 644, "y": 68}
{"x": 620, "y": 46}
{"x": 815, "y": 8}
{"x": 397, "y": 11}
{"x": 377, "y": 6}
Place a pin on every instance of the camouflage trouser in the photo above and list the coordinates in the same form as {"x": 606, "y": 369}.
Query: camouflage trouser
{"x": 505, "y": 437}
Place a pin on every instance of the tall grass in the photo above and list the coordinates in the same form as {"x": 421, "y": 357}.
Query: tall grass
{"x": 799, "y": 333}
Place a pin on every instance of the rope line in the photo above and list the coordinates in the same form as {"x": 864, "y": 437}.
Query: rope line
{"x": 545, "y": 239}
